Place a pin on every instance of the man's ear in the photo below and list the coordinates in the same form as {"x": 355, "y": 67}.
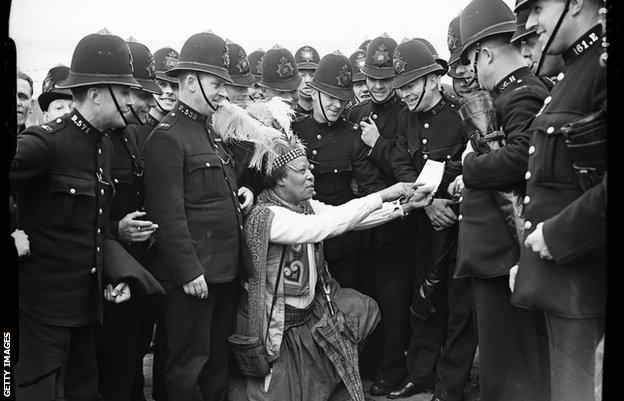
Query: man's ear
{"x": 433, "y": 82}
{"x": 189, "y": 81}
{"x": 94, "y": 94}
{"x": 487, "y": 54}
{"x": 576, "y": 6}
{"x": 280, "y": 181}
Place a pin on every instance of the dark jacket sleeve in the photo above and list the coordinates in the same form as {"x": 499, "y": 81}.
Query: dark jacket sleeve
{"x": 579, "y": 228}
{"x": 383, "y": 154}
{"x": 403, "y": 166}
{"x": 32, "y": 159}
{"x": 506, "y": 166}
{"x": 164, "y": 200}
{"x": 365, "y": 172}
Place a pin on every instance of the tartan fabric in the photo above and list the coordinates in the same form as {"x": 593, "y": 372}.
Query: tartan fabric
{"x": 337, "y": 335}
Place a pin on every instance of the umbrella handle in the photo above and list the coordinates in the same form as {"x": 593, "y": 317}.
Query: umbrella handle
{"x": 327, "y": 292}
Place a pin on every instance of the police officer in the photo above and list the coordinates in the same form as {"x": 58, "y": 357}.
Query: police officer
{"x": 55, "y": 102}
{"x": 360, "y": 89}
{"x": 563, "y": 265}
{"x": 531, "y": 50}
{"x": 445, "y": 88}
{"x": 387, "y": 272}
{"x": 192, "y": 193}
{"x": 255, "y": 67}
{"x": 242, "y": 80}
{"x": 443, "y": 343}
{"x": 337, "y": 156}
{"x": 120, "y": 342}
{"x": 307, "y": 59}
{"x": 511, "y": 356}
{"x": 164, "y": 59}
{"x": 464, "y": 82}
{"x": 280, "y": 75}
{"x": 62, "y": 176}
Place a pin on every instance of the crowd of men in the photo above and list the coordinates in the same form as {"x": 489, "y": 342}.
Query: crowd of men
{"x": 131, "y": 213}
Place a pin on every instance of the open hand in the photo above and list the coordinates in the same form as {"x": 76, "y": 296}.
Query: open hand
{"x": 133, "y": 230}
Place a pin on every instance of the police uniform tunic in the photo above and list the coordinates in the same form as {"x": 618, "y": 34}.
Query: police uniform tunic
{"x": 337, "y": 157}
{"x": 387, "y": 271}
{"x": 443, "y": 343}
{"x": 572, "y": 289}
{"x": 142, "y": 132}
{"x": 191, "y": 193}
{"x": 61, "y": 174}
{"x": 487, "y": 250}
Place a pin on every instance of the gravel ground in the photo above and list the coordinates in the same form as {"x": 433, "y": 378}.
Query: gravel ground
{"x": 472, "y": 388}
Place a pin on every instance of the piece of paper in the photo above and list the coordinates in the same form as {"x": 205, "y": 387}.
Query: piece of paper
{"x": 431, "y": 174}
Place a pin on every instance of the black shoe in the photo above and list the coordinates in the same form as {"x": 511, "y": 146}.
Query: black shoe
{"x": 380, "y": 387}
{"x": 408, "y": 389}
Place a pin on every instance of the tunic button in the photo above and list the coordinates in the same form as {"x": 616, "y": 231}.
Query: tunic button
{"x": 102, "y": 191}
{"x": 424, "y": 141}
{"x": 93, "y": 270}
{"x": 58, "y": 120}
{"x": 241, "y": 227}
{"x": 318, "y": 136}
{"x": 460, "y": 217}
{"x": 173, "y": 114}
{"x": 314, "y": 152}
{"x": 527, "y": 175}
{"x": 519, "y": 81}
{"x": 314, "y": 193}
{"x": 548, "y": 99}
{"x": 550, "y": 130}
{"x": 99, "y": 231}
{"x": 115, "y": 180}
{"x": 125, "y": 139}
{"x": 560, "y": 76}
{"x": 97, "y": 249}
{"x": 531, "y": 149}
{"x": 311, "y": 166}
{"x": 226, "y": 178}
{"x": 425, "y": 157}
{"x": 426, "y": 125}
{"x": 99, "y": 151}
{"x": 101, "y": 170}
{"x": 207, "y": 164}
{"x": 72, "y": 191}
{"x": 527, "y": 225}
{"x": 374, "y": 116}
{"x": 527, "y": 199}
{"x": 461, "y": 198}
{"x": 335, "y": 170}
{"x": 448, "y": 157}
{"x": 100, "y": 211}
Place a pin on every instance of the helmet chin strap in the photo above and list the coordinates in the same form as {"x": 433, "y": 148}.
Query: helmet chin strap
{"x": 322, "y": 107}
{"x": 135, "y": 115}
{"x": 475, "y": 78}
{"x": 379, "y": 101}
{"x": 422, "y": 95}
{"x": 204, "y": 93}
{"x": 123, "y": 118}
{"x": 552, "y": 37}
{"x": 160, "y": 107}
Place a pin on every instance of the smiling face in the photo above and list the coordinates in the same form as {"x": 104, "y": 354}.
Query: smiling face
{"x": 543, "y": 17}
{"x": 331, "y": 106}
{"x": 169, "y": 95}
{"x": 531, "y": 50}
{"x": 361, "y": 91}
{"x": 380, "y": 89}
{"x": 24, "y": 100}
{"x": 143, "y": 102}
{"x": 420, "y": 94}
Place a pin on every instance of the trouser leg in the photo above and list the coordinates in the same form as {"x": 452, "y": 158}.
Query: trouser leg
{"x": 512, "y": 345}
{"x": 394, "y": 278}
{"x": 572, "y": 345}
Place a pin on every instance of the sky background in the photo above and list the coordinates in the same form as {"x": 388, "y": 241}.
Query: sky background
{"x": 46, "y": 32}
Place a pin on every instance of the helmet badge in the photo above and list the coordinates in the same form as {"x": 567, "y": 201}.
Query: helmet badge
{"x": 399, "y": 62}
{"x": 226, "y": 57}
{"x": 243, "y": 64}
{"x": 344, "y": 76}
{"x": 381, "y": 55}
{"x": 452, "y": 40}
{"x": 306, "y": 54}
{"x": 285, "y": 68}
